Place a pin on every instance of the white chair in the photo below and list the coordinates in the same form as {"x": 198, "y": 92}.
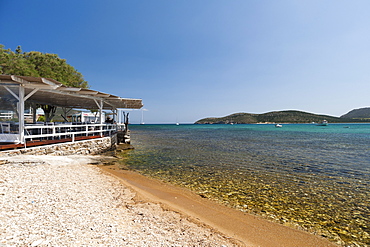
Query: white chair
{"x": 5, "y": 127}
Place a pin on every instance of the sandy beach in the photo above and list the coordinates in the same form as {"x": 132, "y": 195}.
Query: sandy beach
{"x": 70, "y": 201}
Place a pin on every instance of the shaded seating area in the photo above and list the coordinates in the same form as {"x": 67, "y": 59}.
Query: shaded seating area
{"x": 17, "y": 92}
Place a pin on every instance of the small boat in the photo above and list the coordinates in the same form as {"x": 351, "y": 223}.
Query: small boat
{"x": 323, "y": 123}
{"x": 278, "y": 125}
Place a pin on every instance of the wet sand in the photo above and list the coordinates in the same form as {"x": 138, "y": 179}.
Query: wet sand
{"x": 245, "y": 229}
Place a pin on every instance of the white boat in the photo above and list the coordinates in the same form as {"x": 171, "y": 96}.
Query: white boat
{"x": 323, "y": 123}
{"x": 278, "y": 125}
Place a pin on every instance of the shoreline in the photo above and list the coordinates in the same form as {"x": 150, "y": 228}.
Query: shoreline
{"x": 245, "y": 229}
{"x": 77, "y": 200}
{"x": 68, "y": 201}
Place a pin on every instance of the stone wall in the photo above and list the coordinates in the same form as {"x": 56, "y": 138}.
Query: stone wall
{"x": 93, "y": 146}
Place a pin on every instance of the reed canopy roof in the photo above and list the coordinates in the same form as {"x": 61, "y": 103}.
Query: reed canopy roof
{"x": 51, "y": 92}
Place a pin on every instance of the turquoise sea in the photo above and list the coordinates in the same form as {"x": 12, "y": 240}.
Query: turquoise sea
{"x": 304, "y": 176}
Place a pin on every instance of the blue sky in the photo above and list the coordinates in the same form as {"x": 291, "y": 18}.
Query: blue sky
{"x": 192, "y": 59}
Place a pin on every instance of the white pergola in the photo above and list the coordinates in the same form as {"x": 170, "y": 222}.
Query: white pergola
{"x": 47, "y": 91}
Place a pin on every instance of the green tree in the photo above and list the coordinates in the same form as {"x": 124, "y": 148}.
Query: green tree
{"x": 18, "y": 50}
{"x": 40, "y": 64}
{"x": 12, "y": 63}
{"x": 51, "y": 66}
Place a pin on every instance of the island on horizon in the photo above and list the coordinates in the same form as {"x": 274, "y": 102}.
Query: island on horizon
{"x": 361, "y": 115}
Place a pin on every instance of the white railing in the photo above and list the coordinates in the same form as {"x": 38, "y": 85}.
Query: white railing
{"x": 10, "y": 115}
{"x": 64, "y": 130}
{"x": 6, "y": 115}
{"x": 68, "y": 130}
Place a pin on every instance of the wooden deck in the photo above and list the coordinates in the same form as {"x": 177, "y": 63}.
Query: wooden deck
{"x": 44, "y": 142}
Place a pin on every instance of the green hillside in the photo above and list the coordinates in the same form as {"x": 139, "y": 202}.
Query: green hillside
{"x": 274, "y": 117}
{"x": 362, "y": 113}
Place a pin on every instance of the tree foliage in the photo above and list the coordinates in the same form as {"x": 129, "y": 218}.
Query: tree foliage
{"x": 39, "y": 64}
{"x": 12, "y": 63}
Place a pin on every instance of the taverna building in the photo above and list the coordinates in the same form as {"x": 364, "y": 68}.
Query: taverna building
{"x": 21, "y": 96}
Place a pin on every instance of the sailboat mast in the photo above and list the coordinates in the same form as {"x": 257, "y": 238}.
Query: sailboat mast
{"x": 142, "y": 116}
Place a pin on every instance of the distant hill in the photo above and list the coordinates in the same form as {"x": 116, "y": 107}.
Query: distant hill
{"x": 362, "y": 113}
{"x": 273, "y": 117}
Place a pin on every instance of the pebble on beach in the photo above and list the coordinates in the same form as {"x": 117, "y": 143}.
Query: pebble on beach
{"x": 64, "y": 201}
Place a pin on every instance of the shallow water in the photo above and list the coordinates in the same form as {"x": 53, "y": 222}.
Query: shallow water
{"x": 301, "y": 175}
